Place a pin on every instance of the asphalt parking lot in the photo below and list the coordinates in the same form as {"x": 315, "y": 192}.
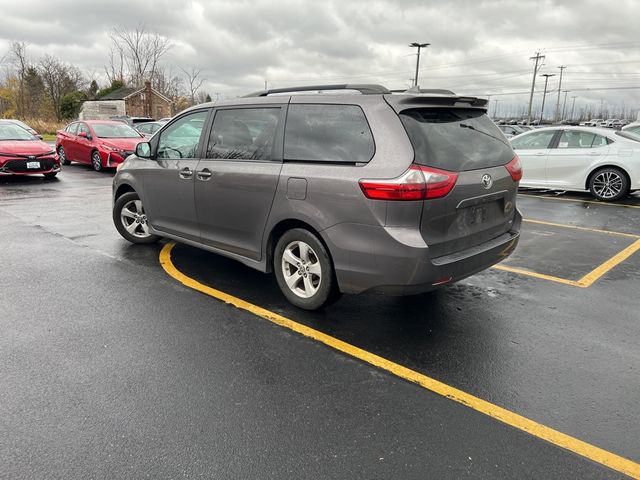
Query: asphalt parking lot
{"x": 112, "y": 368}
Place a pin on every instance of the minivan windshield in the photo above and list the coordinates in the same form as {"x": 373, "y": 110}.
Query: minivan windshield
{"x": 455, "y": 139}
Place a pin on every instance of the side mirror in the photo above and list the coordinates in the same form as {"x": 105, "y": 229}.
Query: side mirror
{"x": 143, "y": 150}
{"x": 40, "y": 137}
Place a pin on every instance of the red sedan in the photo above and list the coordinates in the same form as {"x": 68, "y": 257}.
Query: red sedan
{"x": 24, "y": 154}
{"x": 99, "y": 143}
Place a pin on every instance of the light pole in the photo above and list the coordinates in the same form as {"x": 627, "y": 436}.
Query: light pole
{"x": 544, "y": 95}
{"x": 573, "y": 104}
{"x": 419, "y": 46}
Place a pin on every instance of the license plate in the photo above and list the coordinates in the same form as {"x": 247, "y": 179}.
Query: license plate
{"x": 477, "y": 215}
{"x": 33, "y": 164}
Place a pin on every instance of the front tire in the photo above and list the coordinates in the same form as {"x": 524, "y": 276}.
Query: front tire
{"x": 96, "y": 161}
{"x": 130, "y": 219}
{"x": 63, "y": 156}
{"x": 304, "y": 270}
{"x": 609, "y": 184}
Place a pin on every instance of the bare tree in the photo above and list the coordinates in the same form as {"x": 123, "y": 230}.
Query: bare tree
{"x": 115, "y": 67}
{"x": 194, "y": 82}
{"x": 19, "y": 58}
{"x": 59, "y": 79}
{"x": 140, "y": 50}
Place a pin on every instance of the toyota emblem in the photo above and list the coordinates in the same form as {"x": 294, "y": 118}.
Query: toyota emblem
{"x": 487, "y": 181}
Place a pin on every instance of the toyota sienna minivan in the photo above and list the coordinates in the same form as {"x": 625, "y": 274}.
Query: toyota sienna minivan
{"x": 353, "y": 190}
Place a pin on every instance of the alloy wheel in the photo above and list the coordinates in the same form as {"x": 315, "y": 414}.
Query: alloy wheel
{"x": 134, "y": 220}
{"x": 608, "y": 184}
{"x": 301, "y": 269}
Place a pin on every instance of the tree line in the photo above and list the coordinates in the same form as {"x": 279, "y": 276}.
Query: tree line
{"x": 49, "y": 88}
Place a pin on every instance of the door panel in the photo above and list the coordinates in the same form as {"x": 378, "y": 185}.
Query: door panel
{"x": 236, "y": 184}
{"x": 569, "y": 163}
{"x": 169, "y": 181}
{"x": 233, "y": 204}
{"x": 83, "y": 146}
{"x": 534, "y": 164}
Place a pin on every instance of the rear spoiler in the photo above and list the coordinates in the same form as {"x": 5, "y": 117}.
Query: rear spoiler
{"x": 401, "y": 102}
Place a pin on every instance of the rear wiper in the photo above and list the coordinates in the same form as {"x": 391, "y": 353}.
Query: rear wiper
{"x": 471, "y": 127}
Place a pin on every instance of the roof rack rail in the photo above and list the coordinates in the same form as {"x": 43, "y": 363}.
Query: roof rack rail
{"x": 365, "y": 89}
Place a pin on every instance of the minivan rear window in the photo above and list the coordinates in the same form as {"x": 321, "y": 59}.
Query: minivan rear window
{"x": 327, "y": 133}
{"x": 455, "y": 139}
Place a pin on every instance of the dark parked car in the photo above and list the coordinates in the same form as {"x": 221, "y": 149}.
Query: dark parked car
{"x": 99, "y": 143}
{"x": 369, "y": 191}
{"x": 22, "y": 153}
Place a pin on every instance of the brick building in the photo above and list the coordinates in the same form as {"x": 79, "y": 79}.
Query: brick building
{"x": 132, "y": 101}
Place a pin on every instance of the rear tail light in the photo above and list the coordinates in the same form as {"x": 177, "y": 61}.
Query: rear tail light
{"x": 514, "y": 167}
{"x": 417, "y": 183}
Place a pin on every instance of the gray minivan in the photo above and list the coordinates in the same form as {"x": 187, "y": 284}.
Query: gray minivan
{"x": 352, "y": 190}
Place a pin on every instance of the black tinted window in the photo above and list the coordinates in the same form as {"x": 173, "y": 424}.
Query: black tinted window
{"x": 455, "y": 139}
{"x": 243, "y": 134}
{"x": 329, "y": 133}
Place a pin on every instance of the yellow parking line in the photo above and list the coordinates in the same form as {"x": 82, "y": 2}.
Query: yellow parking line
{"x": 598, "y": 272}
{"x": 579, "y": 201}
{"x": 541, "y": 276}
{"x": 586, "y": 229}
{"x": 591, "y": 452}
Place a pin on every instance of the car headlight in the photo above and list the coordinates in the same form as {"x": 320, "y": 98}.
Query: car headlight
{"x": 111, "y": 149}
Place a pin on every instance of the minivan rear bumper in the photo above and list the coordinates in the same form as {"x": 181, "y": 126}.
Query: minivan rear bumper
{"x": 396, "y": 261}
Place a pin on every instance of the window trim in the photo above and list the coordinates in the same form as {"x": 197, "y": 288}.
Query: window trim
{"x": 278, "y": 144}
{"x": 331, "y": 162}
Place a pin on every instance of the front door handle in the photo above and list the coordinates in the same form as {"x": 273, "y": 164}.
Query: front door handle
{"x": 204, "y": 175}
{"x": 186, "y": 172}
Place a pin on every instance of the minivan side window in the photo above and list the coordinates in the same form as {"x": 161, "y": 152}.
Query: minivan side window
{"x": 243, "y": 134}
{"x": 181, "y": 138}
{"x": 327, "y": 133}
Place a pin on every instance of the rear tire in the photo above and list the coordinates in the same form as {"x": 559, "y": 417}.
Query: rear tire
{"x": 304, "y": 270}
{"x": 609, "y": 184}
{"x": 130, "y": 219}
{"x": 63, "y": 156}
{"x": 96, "y": 161}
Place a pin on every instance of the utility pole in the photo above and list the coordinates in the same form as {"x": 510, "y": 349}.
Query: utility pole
{"x": 573, "y": 104}
{"x": 537, "y": 58}
{"x": 419, "y": 46}
{"x": 546, "y": 80}
{"x": 561, "y": 67}
{"x": 564, "y": 104}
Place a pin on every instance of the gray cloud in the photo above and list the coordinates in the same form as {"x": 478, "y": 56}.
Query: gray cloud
{"x": 478, "y": 47}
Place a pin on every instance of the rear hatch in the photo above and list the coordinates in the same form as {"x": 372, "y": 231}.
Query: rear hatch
{"x": 481, "y": 205}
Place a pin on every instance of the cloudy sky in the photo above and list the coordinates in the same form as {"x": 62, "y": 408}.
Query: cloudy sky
{"x": 477, "y": 47}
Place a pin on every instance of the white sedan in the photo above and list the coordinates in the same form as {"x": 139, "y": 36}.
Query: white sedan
{"x": 599, "y": 160}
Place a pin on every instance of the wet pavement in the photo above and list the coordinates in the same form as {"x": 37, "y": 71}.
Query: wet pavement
{"x": 110, "y": 368}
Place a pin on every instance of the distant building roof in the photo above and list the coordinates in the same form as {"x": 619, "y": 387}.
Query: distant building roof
{"x": 126, "y": 92}
{"x": 120, "y": 94}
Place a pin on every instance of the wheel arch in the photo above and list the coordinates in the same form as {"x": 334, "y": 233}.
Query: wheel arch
{"x": 601, "y": 167}
{"x": 280, "y": 229}
{"x": 122, "y": 189}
